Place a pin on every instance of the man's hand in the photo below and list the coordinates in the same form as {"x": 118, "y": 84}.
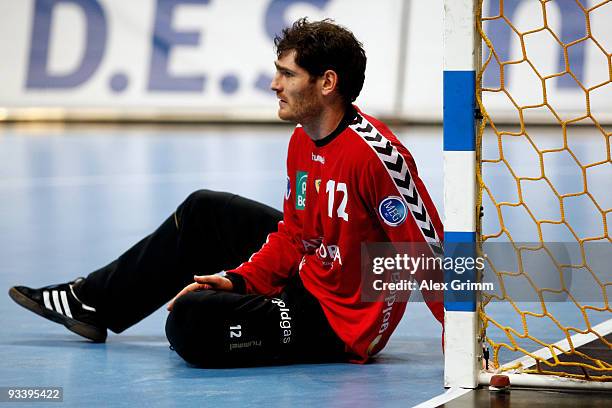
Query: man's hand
{"x": 214, "y": 282}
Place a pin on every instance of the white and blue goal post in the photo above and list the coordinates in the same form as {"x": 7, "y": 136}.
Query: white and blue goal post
{"x": 462, "y": 59}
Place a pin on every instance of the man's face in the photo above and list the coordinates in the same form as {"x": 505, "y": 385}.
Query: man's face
{"x": 296, "y": 90}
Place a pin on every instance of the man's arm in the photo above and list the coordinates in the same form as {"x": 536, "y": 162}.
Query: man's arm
{"x": 265, "y": 272}
{"x": 269, "y": 268}
{"x": 214, "y": 282}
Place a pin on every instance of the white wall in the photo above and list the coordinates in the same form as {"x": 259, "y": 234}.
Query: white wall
{"x": 99, "y": 54}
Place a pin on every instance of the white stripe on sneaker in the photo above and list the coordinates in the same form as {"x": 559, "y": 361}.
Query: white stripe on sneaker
{"x": 47, "y": 301}
{"x": 56, "y": 302}
{"x": 83, "y": 305}
{"x": 65, "y": 303}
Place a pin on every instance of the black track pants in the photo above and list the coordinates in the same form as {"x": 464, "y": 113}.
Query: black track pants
{"x": 221, "y": 329}
{"x": 209, "y": 232}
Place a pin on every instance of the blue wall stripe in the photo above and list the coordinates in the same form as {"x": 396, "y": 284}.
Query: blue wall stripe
{"x": 459, "y": 105}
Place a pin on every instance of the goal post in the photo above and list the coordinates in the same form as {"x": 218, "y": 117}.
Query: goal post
{"x": 461, "y": 60}
{"x": 520, "y": 111}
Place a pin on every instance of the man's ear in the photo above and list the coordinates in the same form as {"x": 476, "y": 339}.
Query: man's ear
{"x": 330, "y": 82}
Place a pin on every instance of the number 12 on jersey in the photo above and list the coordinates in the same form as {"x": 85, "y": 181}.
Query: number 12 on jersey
{"x": 331, "y": 188}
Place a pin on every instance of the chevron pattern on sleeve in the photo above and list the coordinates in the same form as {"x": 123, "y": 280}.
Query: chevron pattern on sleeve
{"x": 400, "y": 175}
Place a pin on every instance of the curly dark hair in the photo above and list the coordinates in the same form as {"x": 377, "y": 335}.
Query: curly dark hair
{"x": 323, "y": 45}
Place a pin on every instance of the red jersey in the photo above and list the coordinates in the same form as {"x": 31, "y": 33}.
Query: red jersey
{"x": 337, "y": 190}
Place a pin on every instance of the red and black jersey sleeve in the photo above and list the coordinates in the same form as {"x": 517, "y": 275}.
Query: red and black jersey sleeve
{"x": 402, "y": 204}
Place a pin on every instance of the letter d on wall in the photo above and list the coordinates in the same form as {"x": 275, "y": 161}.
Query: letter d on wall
{"x": 95, "y": 44}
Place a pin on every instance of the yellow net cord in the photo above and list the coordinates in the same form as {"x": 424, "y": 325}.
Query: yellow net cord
{"x": 592, "y": 368}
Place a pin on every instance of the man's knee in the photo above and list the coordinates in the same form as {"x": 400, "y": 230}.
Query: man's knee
{"x": 200, "y": 202}
{"x": 176, "y": 324}
{"x": 193, "y": 331}
{"x": 223, "y": 329}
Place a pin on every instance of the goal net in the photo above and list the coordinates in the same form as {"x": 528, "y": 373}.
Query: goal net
{"x": 544, "y": 183}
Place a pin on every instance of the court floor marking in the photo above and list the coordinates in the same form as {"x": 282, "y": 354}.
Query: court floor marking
{"x": 449, "y": 395}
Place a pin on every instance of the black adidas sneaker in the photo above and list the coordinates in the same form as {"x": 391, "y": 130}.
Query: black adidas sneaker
{"x": 59, "y": 304}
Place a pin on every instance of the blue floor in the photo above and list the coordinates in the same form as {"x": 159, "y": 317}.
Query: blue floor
{"x": 72, "y": 199}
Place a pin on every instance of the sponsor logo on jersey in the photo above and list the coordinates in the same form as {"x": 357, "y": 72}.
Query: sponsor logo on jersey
{"x": 328, "y": 254}
{"x": 288, "y": 191}
{"x": 301, "y": 180}
{"x": 393, "y": 211}
{"x": 318, "y": 158}
{"x": 317, "y": 184}
{"x": 312, "y": 244}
